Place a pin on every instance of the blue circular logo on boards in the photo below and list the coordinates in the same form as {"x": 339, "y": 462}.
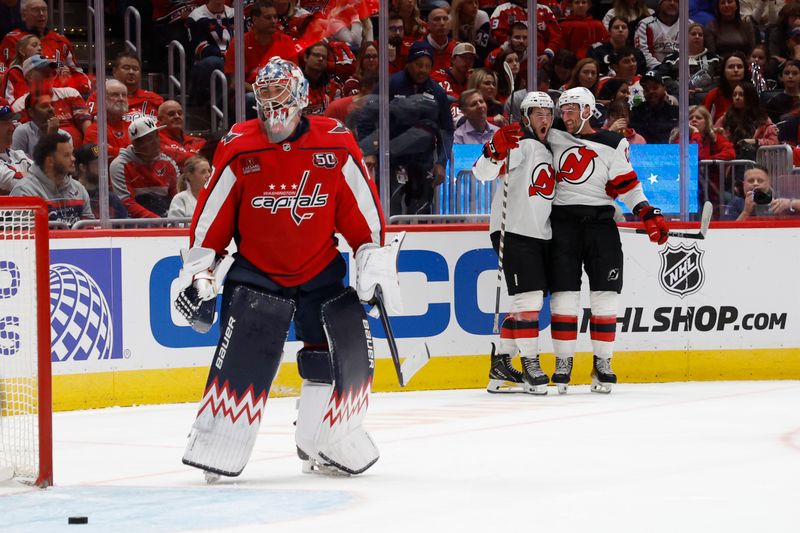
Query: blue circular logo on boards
{"x": 80, "y": 318}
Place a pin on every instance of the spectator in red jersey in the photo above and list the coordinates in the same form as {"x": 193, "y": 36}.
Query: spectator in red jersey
{"x": 366, "y": 64}
{"x": 548, "y": 35}
{"x": 13, "y": 163}
{"x": 414, "y": 27}
{"x": 398, "y": 44}
{"x": 144, "y": 178}
{"x": 439, "y": 38}
{"x": 70, "y": 108}
{"x": 746, "y": 123}
{"x": 579, "y": 31}
{"x": 475, "y": 129}
{"x": 292, "y": 19}
{"x": 127, "y": 68}
{"x": 175, "y": 142}
{"x": 346, "y": 109}
{"x": 116, "y": 125}
{"x": 88, "y": 173}
{"x": 14, "y": 83}
{"x": 454, "y": 79}
{"x": 323, "y": 88}
{"x": 34, "y": 21}
{"x": 263, "y": 41}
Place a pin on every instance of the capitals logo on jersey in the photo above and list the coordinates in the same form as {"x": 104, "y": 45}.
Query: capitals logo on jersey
{"x": 576, "y": 164}
{"x": 278, "y": 197}
{"x": 543, "y": 181}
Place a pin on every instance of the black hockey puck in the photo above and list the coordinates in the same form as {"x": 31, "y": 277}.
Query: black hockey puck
{"x": 78, "y": 520}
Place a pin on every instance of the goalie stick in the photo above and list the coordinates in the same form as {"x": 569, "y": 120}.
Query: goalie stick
{"x": 413, "y": 363}
{"x": 705, "y": 221}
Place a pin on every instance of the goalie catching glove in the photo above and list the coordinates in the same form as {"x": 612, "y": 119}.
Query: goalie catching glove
{"x": 654, "y": 222}
{"x": 200, "y": 279}
{"x": 377, "y": 265}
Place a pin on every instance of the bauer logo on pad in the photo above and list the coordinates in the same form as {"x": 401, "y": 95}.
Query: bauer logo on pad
{"x": 681, "y": 271}
{"x": 86, "y": 314}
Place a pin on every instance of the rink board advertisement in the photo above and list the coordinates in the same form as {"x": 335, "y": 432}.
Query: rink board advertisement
{"x": 721, "y": 308}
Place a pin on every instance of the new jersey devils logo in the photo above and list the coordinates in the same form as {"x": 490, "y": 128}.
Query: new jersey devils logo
{"x": 543, "y": 182}
{"x": 576, "y": 165}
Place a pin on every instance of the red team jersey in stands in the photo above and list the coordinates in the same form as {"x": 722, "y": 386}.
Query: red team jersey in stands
{"x": 179, "y": 149}
{"x": 255, "y": 55}
{"x": 141, "y": 102}
{"x": 283, "y": 202}
{"x": 70, "y": 109}
{"x": 116, "y": 136}
{"x": 54, "y": 46}
{"x": 548, "y": 35}
{"x": 145, "y": 189}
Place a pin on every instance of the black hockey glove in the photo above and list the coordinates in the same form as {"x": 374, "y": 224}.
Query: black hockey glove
{"x": 198, "y": 313}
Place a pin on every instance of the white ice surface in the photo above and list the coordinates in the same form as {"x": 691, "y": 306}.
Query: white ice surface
{"x": 678, "y": 457}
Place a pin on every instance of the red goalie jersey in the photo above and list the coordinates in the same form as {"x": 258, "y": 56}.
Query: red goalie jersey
{"x": 283, "y": 202}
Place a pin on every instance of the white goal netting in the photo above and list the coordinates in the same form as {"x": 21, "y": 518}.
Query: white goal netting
{"x": 19, "y": 375}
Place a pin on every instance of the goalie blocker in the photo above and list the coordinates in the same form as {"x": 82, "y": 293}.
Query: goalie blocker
{"x": 334, "y": 395}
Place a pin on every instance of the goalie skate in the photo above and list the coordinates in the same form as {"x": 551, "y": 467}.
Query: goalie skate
{"x": 312, "y": 466}
{"x": 603, "y": 377}
{"x": 503, "y": 377}
{"x": 563, "y": 374}
{"x": 210, "y": 477}
{"x": 533, "y": 377}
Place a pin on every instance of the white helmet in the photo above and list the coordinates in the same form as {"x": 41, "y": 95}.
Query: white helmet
{"x": 535, "y": 99}
{"x": 578, "y": 95}
{"x": 281, "y": 92}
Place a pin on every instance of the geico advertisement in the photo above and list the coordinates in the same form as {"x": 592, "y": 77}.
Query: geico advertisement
{"x": 111, "y": 298}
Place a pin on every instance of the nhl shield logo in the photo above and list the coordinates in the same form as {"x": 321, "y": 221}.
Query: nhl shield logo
{"x": 681, "y": 270}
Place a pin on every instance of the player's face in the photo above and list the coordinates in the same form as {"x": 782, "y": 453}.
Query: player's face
{"x": 541, "y": 119}
{"x": 129, "y": 72}
{"x": 571, "y": 115}
{"x": 63, "y": 159}
{"x": 734, "y": 70}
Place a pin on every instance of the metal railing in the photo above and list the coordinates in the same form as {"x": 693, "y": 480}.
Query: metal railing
{"x": 120, "y": 223}
{"x": 90, "y": 35}
{"x": 726, "y": 173}
{"x": 218, "y": 115}
{"x": 136, "y": 48}
{"x": 172, "y": 81}
{"x": 776, "y": 158}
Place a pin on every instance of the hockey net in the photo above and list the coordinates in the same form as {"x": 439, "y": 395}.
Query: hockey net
{"x": 25, "y": 387}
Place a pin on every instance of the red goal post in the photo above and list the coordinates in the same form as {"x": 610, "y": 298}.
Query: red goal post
{"x": 26, "y": 437}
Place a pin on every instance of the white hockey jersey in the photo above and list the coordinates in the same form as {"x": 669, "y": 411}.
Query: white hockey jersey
{"x": 590, "y": 167}
{"x": 531, "y": 188}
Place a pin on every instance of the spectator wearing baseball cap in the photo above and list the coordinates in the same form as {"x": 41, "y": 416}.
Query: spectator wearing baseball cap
{"x": 454, "y": 79}
{"x": 439, "y": 38}
{"x": 87, "y": 172}
{"x": 143, "y": 177}
{"x": 654, "y": 118}
{"x": 13, "y": 163}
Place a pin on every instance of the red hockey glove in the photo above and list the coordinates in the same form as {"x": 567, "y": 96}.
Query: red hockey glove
{"x": 504, "y": 140}
{"x": 654, "y": 224}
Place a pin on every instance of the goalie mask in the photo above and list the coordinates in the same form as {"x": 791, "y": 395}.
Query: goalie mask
{"x": 538, "y": 124}
{"x": 583, "y": 98}
{"x": 281, "y": 93}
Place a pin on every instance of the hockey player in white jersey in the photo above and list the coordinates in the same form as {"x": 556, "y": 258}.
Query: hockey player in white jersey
{"x": 531, "y": 187}
{"x": 592, "y": 168}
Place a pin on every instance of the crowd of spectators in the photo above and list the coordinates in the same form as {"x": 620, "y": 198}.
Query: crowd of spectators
{"x": 448, "y": 84}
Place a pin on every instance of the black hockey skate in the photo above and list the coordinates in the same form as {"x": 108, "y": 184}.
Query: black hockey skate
{"x": 503, "y": 377}
{"x": 563, "y": 374}
{"x": 603, "y": 377}
{"x": 534, "y": 379}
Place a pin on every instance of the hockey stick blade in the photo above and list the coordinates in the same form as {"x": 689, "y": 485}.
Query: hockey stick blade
{"x": 412, "y": 364}
{"x": 705, "y": 222}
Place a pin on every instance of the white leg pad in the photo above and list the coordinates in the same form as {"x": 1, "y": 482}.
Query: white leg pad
{"x": 565, "y": 303}
{"x": 329, "y": 428}
{"x": 604, "y": 303}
